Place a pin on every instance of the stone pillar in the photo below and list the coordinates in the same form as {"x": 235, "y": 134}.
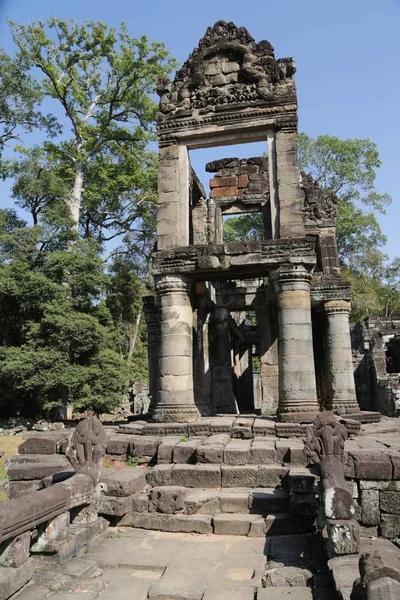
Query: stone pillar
{"x": 175, "y": 398}
{"x": 153, "y": 345}
{"x": 173, "y": 197}
{"x": 297, "y": 386}
{"x": 221, "y": 362}
{"x": 341, "y": 393}
{"x": 291, "y": 223}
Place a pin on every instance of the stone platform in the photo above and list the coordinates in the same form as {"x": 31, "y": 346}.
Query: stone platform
{"x": 143, "y": 565}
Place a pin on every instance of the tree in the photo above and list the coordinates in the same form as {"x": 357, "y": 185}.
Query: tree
{"x": 57, "y": 336}
{"x": 20, "y": 96}
{"x": 348, "y": 169}
{"x": 102, "y": 79}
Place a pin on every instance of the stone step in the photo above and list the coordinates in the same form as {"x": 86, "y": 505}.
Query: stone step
{"x": 249, "y": 525}
{"x": 190, "y": 501}
{"x": 211, "y": 476}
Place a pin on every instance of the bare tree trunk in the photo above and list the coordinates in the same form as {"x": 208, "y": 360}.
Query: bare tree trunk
{"x": 75, "y": 199}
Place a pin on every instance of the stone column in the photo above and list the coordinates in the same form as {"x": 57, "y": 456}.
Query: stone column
{"x": 175, "y": 398}
{"x": 221, "y": 362}
{"x": 341, "y": 393}
{"x": 150, "y": 309}
{"x": 297, "y": 387}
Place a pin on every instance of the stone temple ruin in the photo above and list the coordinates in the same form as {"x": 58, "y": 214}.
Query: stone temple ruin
{"x": 233, "y": 90}
{"x": 254, "y": 436}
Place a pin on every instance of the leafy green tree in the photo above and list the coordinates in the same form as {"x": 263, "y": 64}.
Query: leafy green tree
{"x": 57, "y": 336}
{"x": 348, "y": 169}
{"x": 103, "y": 80}
{"x": 20, "y": 97}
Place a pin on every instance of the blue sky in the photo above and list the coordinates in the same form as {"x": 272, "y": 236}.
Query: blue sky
{"x": 346, "y": 53}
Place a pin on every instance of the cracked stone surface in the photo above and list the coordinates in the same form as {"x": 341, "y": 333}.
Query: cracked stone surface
{"x": 146, "y": 565}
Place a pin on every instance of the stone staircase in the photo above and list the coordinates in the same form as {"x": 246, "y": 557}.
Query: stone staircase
{"x": 213, "y": 483}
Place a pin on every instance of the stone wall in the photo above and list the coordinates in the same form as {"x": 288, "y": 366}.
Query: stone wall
{"x": 377, "y": 388}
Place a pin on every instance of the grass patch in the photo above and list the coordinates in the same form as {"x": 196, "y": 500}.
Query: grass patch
{"x": 183, "y": 438}
{"x": 132, "y": 461}
{"x": 9, "y": 445}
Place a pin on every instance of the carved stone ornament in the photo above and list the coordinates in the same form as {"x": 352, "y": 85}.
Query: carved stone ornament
{"x": 228, "y": 67}
{"x": 325, "y": 447}
{"x": 319, "y": 205}
{"x": 87, "y": 447}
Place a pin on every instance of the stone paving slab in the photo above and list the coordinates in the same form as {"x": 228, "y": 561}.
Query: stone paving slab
{"x": 147, "y": 565}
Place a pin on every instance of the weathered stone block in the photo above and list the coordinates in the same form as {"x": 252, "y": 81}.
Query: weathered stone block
{"x": 198, "y": 476}
{"x": 370, "y": 464}
{"x": 263, "y": 452}
{"x": 210, "y": 453}
{"x": 185, "y": 452}
{"x": 234, "y": 501}
{"x": 271, "y": 475}
{"x": 120, "y": 444}
{"x": 39, "y": 444}
{"x": 390, "y": 502}
{"x": 201, "y": 502}
{"x": 12, "y": 580}
{"x": 159, "y": 475}
{"x": 241, "y": 476}
{"x": 16, "y": 489}
{"x": 235, "y": 524}
{"x": 370, "y": 514}
{"x": 167, "y": 499}
{"x": 44, "y": 466}
{"x": 219, "y": 182}
{"x": 343, "y": 537}
{"x": 165, "y": 451}
{"x": 237, "y": 452}
{"x": 113, "y": 506}
{"x": 124, "y": 482}
{"x": 187, "y": 523}
{"x": 140, "y": 502}
{"x": 390, "y": 526}
{"x": 265, "y": 502}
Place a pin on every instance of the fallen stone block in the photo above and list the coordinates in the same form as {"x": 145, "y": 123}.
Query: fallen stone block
{"x": 145, "y": 446}
{"x": 390, "y": 526}
{"x": 284, "y": 593}
{"x": 40, "y": 444}
{"x": 140, "y": 502}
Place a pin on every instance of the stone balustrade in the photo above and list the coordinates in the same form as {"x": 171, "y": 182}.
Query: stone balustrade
{"x": 59, "y": 519}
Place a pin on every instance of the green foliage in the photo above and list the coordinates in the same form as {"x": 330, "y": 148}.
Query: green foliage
{"x": 244, "y": 227}
{"x": 132, "y": 461}
{"x": 102, "y": 79}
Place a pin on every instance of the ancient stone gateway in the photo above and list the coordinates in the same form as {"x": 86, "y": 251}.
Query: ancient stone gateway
{"x": 233, "y": 90}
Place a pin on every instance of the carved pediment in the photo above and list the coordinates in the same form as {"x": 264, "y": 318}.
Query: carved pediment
{"x": 228, "y": 67}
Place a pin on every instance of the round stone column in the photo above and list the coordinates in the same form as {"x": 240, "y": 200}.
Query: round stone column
{"x": 297, "y": 386}
{"x": 153, "y": 341}
{"x": 175, "y": 398}
{"x": 341, "y": 393}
